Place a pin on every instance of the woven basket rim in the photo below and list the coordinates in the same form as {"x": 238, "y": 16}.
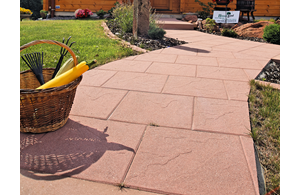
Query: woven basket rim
{"x": 49, "y": 90}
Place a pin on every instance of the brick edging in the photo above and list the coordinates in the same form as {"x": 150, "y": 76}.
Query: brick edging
{"x": 125, "y": 43}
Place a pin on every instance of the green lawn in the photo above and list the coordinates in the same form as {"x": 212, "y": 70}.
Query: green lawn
{"x": 264, "y": 108}
{"x": 91, "y": 42}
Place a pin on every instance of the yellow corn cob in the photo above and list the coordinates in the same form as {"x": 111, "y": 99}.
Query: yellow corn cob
{"x": 66, "y": 77}
{"x": 66, "y": 66}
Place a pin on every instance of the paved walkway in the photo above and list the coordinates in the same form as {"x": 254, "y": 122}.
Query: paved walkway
{"x": 171, "y": 121}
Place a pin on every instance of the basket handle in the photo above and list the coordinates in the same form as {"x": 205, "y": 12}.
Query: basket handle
{"x": 36, "y": 42}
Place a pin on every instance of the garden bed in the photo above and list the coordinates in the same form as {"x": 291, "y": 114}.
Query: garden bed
{"x": 143, "y": 42}
{"x": 270, "y": 73}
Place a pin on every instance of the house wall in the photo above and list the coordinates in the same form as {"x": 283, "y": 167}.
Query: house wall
{"x": 263, "y": 7}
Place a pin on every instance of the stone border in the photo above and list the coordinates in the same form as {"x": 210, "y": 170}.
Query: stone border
{"x": 274, "y": 85}
{"x": 124, "y": 43}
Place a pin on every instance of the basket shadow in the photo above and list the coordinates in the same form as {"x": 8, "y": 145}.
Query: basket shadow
{"x": 65, "y": 152}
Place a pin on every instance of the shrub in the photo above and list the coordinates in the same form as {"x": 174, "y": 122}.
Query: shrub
{"x": 272, "y": 33}
{"x": 207, "y": 9}
{"x": 229, "y": 33}
{"x": 156, "y": 32}
{"x": 210, "y": 24}
{"x": 101, "y": 13}
{"x": 83, "y": 13}
{"x": 123, "y": 16}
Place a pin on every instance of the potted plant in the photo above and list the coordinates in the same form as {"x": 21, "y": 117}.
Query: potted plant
{"x": 43, "y": 13}
{"x": 25, "y": 13}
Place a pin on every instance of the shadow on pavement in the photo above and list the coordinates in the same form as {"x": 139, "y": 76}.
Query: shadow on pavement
{"x": 65, "y": 152}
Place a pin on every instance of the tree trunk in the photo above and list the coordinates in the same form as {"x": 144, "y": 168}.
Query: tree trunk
{"x": 141, "y": 17}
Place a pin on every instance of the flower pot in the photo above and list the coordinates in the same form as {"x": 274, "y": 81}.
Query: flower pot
{"x": 22, "y": 16}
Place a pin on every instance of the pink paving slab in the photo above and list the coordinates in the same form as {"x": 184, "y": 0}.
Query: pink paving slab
{"x": 137, "y": 81}
{"x": 197, "y": 60}
{"x": 239, "y": 63}
{"x": 126, "y": 65}
{"x": 156, "y": 109}
{"x": 195, "y": 87}
{"x": 84, "y": 148}
{"x": 237, "y": 90}
{"x": 174, "y": 161}
{"x": 96, "y": 77}
{"x": 224, "y": 116}
{"x": 172, "y": 69}
{"x": 96, "y": 102}
{"x": 157, "y": 57}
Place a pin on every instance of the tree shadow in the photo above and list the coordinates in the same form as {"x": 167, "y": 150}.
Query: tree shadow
{"x": 65, "y": 152}
{"x": 191, "y": 49}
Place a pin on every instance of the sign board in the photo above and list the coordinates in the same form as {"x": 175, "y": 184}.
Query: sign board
{"x": 226, "y": 16}
{"x": 57, "y": 6}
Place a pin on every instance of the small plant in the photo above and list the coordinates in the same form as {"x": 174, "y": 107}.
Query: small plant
{"x": 43, "y": 13}
{"x": 25, "y": 11}
{"x": 272, "y": 33}
{"x": 207, "y": 9}
{"x": 210, "y": 25}
{"x": 83, "y": 13}
{"x": 156, "y": 32}
{"x": 154, "y": 125}
{"x": 229, "y": 33}
{"x": 101, "y": 13}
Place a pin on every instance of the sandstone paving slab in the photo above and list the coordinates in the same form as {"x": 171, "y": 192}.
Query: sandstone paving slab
{"x": 239, "y": 55}
{"x": 96, "y": 77}
{"x": 237, "y": 90}
{"x": 225, "y": 116}
{"x": 261, "y": 53}
{"x": 213, "y": 53}
{"x": 156, "y": 109}
{"x": 137, "y": 81}
{"x": 221, "y": 73}
{"x": 85, "y": 148}
{"x": 197, "y": 60}
{"x": 157, "y": 57}
{"x": 67, "y": 185}
{"x": 174, "y": 161}
{"x": 239, "y": 63}
{"x": 126, "y": 65}
{"x": 252, "y": 74}
{"x": 96, "y": 102}
{"x": 202, "y": 87}
{"x": 180, "y": 50}
{"x": 172, "y": 69}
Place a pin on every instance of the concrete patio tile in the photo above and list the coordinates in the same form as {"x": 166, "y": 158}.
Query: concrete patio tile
{"x": 157, "y": 57}
{"x": 131, "y": 57}
{"x": 221, "y": 73}
{"x": 96, "y": 102}
{"x": 213, "y": 53}
{"x": 126, "y": 65}
{"x": 225, "y": 116}
{"x": 173, "y": 161}
{"x": 237, "y": 90}
{"x": 96, "y": 77}
{"x": 252, "y": 74}
{"x": 216, "y": 41}
{"x": 239, "y": 63}
{"x": 180, "y": 50}
{"x": 67, "y": 185}
{"x": 260, "y": 53}
{"x": 85, "y": 148}
{"x": 197, "y": 60}
{"x": 248, "y": 57}
{"x": 172, "y": 69}
{"x": 159, "y": 109}
{"x": 202, "y": 48}
{"x": 137, "y": 81}
{"x": 195, "y": 87}
{"x": 276, "y": 57}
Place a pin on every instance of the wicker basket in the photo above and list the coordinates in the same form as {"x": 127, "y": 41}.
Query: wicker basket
{"x": 45, "y": 110}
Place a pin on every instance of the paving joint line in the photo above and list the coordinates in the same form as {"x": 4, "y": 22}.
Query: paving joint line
{"x": 117, "y": 105}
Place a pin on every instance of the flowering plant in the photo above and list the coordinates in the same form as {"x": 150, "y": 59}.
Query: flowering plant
{"x": 25, "y": 11}
{"x": 83, "y": 13}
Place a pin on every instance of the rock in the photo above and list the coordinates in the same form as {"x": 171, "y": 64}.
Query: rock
{"x": 252, "y": 29}
{"x": 194, "y": 18}
{"x": 191, "y": 21}
{"x": 237, "y": 25}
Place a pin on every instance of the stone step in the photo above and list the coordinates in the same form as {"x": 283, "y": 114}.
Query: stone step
{"x": 174, "y": 24}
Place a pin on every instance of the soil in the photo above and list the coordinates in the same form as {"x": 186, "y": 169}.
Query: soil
{"x": 270, "y": 73}
{"x": 144, "y": 42}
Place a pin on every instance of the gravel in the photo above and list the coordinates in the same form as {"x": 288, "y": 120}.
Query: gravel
{"x": 270, "y": 73}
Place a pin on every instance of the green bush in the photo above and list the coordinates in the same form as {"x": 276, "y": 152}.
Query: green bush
{"x": 101, "y": 13}
{"x": 228, "y": 33}
{"x": 210, "y": 24}
{"x": 272, "y": 33}
{"x": 34, "y": 5}
{"x": 156, "y": 32}
{"x": 207, "y": 9}
{"x": 123, "y": 16}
